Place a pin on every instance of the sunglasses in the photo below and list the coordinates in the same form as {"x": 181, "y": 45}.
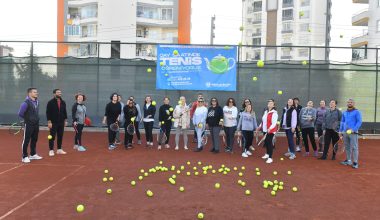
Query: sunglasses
{"x": 247, "y": 101}
{"x": 230, "y": 101}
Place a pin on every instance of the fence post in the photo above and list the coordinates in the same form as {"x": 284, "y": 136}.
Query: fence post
{"x": 31, "y": 64}
{"x": 376, "y": 83}
{"x": 309, "y": 75}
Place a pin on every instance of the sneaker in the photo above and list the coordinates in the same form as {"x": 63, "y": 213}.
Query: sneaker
{"x": 292, "y": 157}
{"x": 198, "y": 149}
{"x": 306, "y": 154}
{"x": 75, "y": 147}
{"x": 51, "y": 153}
{"x": 177, "y": 148}
{"x": 355, "y": 165}
{"x": 212, "y": 150}
{"x": 186, "y": 148}
{"x": 346, "y": 163}
{"x": 266, "y": 156}
{"x": 287, "y": 154}
{"x": 117, "y": 142}
{"x": 159, "y": 147}
{"x": 25, "y": 160}
{"x": 316, "y": 153}
{"x": 60, "y": 151}
{"x": 298, "y": 149}
{"x": 215, "y": 151}
{"x": 151, "y": 143}
{"x": 35, "y": 157}
{"x": 111, "y": 147}
{"x": 244, "y": 154}
{"x": 248, "y": 153}
{"x": 270, "y": 160}
{"x": 81, "y": 148}
{"x": 139, "y": 142}
{"x": 167, "y": 146}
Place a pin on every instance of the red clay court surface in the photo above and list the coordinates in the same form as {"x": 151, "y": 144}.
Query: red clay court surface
{"x": 51, "y": 188}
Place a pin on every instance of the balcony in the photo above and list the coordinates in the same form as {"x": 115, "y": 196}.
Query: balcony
{"x": 256, "y": 34}
{"x": 360, "y": 40}
{"x": 359, "y": 54}
{"x": 360, "y": 1}
{"x": 156, "y": 2}
{"x": 76, "y": 3}
{"x": 286, "y": 57}
{"x": 287, "y": 3}
{"x": 287, "y": 31}
{"x": 361, "y": 18}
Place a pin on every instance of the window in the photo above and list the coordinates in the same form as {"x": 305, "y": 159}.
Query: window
{"x": 285, "y": 52}
{"x": 305, "y": 3}
{"x": 304, "y": 52}
{"x": 115, "y": 49}
{"x": 287, "y": 3}
{"x": 72, "y": 30}
{"x": 249, "y": 10}
{"x": 257, "y": 17}
{"x": 256, "y": 41}
{"x": 167, "y": 14}
{"x": 286, "y": 40}
{"x": 304, "y": 27}
{"x": 257, "y": 6}
{"x": 287, "y": 14}
{"x": 90, "y": 11}
{"x": 287, "y": 27}
{"x": 305, "y": 14}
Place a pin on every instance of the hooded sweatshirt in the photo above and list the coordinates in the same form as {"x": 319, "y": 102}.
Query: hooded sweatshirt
{"x": 307, "y": 117}
{"x": 247, "y": 122}
{"x": 351, "y": 119}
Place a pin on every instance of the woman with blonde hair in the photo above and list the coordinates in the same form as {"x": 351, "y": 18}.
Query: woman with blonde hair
{"x": 181, "y": 116}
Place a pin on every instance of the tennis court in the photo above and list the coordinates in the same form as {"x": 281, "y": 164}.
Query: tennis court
{"x": 54, "y": 186}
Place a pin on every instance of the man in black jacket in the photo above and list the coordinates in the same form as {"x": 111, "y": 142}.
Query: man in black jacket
{"x": 57, "y": 120}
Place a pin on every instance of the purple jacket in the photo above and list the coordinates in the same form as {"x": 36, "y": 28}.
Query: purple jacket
{"x": 320, "y": 114}
{"x": 24, "y": 106}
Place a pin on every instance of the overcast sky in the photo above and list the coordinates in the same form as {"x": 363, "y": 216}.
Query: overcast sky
{"x": 37, "y": 20}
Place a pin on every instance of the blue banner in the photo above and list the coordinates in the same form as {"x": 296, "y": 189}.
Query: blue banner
{"x": 187, "y": 67}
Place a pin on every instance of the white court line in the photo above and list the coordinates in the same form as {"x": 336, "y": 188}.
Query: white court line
{"x": 10, "y": 169}
{"x": 8, "y": 163}
{"x": 39, "y": 194}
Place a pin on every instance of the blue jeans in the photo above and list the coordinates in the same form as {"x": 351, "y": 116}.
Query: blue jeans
{"x": 199, "y": 132}
{"x": 289, "y": 136}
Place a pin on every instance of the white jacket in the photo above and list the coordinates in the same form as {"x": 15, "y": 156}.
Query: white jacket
{"x": 184, "y": 120}
{"x": 230, "y": 116}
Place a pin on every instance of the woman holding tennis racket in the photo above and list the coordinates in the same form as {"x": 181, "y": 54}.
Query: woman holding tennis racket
{"x": 230, "y": 114}
{"x": 321, "y": 111}
{"x": 269, "y": 127}
{"x": 138, "y": 119}
{"x": 181, "y": 116}
{"x": 289, "y": 124}
{"x": 246, "y": 126}
{"x": 199, "y": 121}
{"x": 307, "y": 118}
{"x": 330, "y": 126}
{"x": 111, "y": 119}
{"x": 214, "y": 121}
{"x": 130, "y": 116}
{"x": 149, "y": 112}
{"x": 78, "y": 113}
{"x": 165, "y": 116}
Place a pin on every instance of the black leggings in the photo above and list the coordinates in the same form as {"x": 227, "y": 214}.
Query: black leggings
{"x": 298, "y": 137}
{"x": 78, "y": 134}
{"x": 247, "y": 140}
{"x": 111, "y": 135}
{"x": 330, "y": 136}
{"x": 127, "y": 137}
{"x": 320, "y": 133}
{"x": 268, "y": 143}
{"x": 56, "y": 129}
{"x": 148, "y": 126}
{"x": 167, "y": 127}
{"x": 305, "y": 133}
{"x": 137, "y": 130}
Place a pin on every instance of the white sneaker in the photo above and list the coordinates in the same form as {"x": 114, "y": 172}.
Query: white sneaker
{"x": 244, "y": 154}
{"x": 151, "y": 144}
{"x": 35, "y": 157}
{"x": 51, "y": 153}
{"x": 159, "y": 147}
{"x": 60, "y": 151}
{"x": 176, "y": 148}
{"x": 266, "y": 156}
{"x": 248, "y": 153}
{"x": 287, "y": 154}
{"x": 270, "y": 160}
{"x": 75, "y": 147}
{"x": 298, "y": 149}
{"x": 167, "y": 146}
{"x": 186, "y": 148}
{"x": 25, "y": 160}
{"x": 292, "y": 157}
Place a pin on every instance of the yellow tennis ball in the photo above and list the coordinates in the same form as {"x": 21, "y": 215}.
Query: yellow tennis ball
{"x": 275, "y": 173}
{"x": 182, "y": 167}
{"x": 281, "y": 183}
{"x": 226, "y": 47}
{"x": 235, "y": 168}
{"x": 222, "y": 166}
{"x": 196, "y": 173}
{"x": 217, "y": 185}
{"x": 173, "y": 120}
{"x": 195, "y": 168}
{"x": 301, "y": 13}
{"x": 154, "y": 103}
{"x": 200, "y": 125}
{"x": 281, "y": 158}
{"x": 200, "y": 215}
{"x": 174, "y": 176}
{"x": 149, "y": 70}
{"x": 133, "y": 119}
{"x": 171, "y": 109}
{"x": 258, "y": 173}
{"x": 141, "y": 177}
{"x": 205, "y": 172}
{"x": 304, "y": 62}
{"x": 295, "y": 189}
{"x": 273, "y": 193}
{"x": 349, "y": 131}
{"x": 110, "y": 178}
{"x": 162, "y": 122}
{"x": 240, "y": 181}
{"x": 243, "y": 168}
{"x": 225, "y": 172}
{"x": 213, "y": 171}
{"x": 80, "y": 208}
{"x": 105, "y": 179}
{"x": 181, "y": 188}
{"x": 149, "y": 193}
{"x": 240, "y": 174}
{"x": 289, "y": 172}
{"x": 133, "y": 183}
{"x": 178, "y": 171}
{"x": 188, "y": 173}
{"x": 50, "y": 137}
{"x": 146, "y": 174}
{"x": 162, "y": 63}
{"x": 260, "y": 63}
{"x": 248, "y": 192}
{"x": 257, "y": 169}
{"x": 279, "y": 92}
{"x": 109, "y": 191}
{"x": 106, "y": 171}
{"x": 280, "y": 187}
{"x": 254, "y": 78}
{"x": 243, "y": 184}
{"x": 175, "y": 52}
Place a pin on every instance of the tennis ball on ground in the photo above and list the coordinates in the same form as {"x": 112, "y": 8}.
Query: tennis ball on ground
{"x": 133, "y": 183}
{"x": 142, "y": 171}
{"x": 195, "y": 168}
{"x": 80, "y": 208}
{"x": 178, "y": 171}
{"x": 109, "y": 191}
{"x": 181, "y": 188}
{"x": 257, "y": 169}
{"x": 243, "y": 184}
{"x": 205, "y": 172}
{"x": 281, "y": 183}
{"x": 349, "y": 131}
{"x": 220, "y": 170}
{"x": 248, "y": 192}
{"x": 200, "y": 215}
{"x": 275, "y": 173}
{"x": 273, "y": 193}
{"x": 213, "y": 171}
{"x": 304, "y": 62}
{"x": 235, "y": 168}
{"x": 289, "y": 172}
{"x": 217, "y": 185}
{"x": 281, "y": 158}
{"x": 50, "y": 137}
{"x": 188, "y": 173}
{"x": 110, "y": 179}
{"x": 260, "y": 63}
{"x": 270, "y": 183}
{"x": 172, "y": 181}
{"x": 106, "y": 171}
{"x": 280, "y": 187}
{"x": 145, "y": 174}
{"x": 188, "y": 163}
{"x": 174, "y": 176}
{"x": 210, "y": 166}
{"x": 149, "y": 70}
{"x": 275, "y": 181}
{"x": 154, "y": 103}
{"x": 225, "y": 172}
{"x": 240, "y": 174}
{"x": 275, "y": 188}
{"x": 294, "y": 189}
{"x": 239, "y": 182}
{"x": 254, "y": 78}
{"x": 175, "y": 52}
{"x": 172, "y": 168}
{"x": 182, "y": 167}
{"x": 141, "y": 177}
{"x": 279, "y": 92}
{"x": 199, "y": 163}
{"x": 243, "y": 168}
{"x": 160, "y": 162}
{"x": 258, "y": 173}
{"x": 196, "y": 173}
{"x": 105, "y": 179}
{"x": 149, "y": 193}
{"x": 222, "y": 166}
{"x": 265, "y": 186}
{"x": 162, "y": 63}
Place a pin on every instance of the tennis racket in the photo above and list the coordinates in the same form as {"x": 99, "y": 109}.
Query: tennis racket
{"x": 321, "y": 140}
{"x": 115, "y": 126}
{"x": 131, "y": 128}
{"x": 339, "y": 148}
{"x": 239, "y": 140}
{"x": 16, "y": 127}
{"x": 262, "y": 139}
{"x": 87, "y": 121}
{"x": 204, "y": 138}
{"x": 161, "y": 136}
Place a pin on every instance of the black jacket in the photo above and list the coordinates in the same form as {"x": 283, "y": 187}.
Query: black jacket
{"x": 113, "y": 110}
{"x": 129, "y": 113}
{"x": 214, "y": 115}
{"x": 164, "y": 114}
{"x": 149, "y": 111}
{"x": 288, "y": 116}
{"x": 53, "y": 114}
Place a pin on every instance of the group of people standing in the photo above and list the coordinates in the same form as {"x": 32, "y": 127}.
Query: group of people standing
{"x": 330, "y": 123}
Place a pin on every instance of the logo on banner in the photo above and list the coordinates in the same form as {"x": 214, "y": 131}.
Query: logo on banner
{"x": 219, "y": 64}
